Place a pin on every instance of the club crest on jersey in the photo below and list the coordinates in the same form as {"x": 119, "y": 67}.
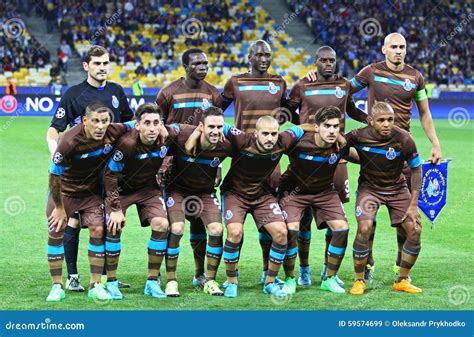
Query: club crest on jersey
{"x": 407, "y": 85}
{"x": 272, "y": 88}
{"x": 358, "y": 211}
{"x": 118, "y": 155}
{"x": 170, "y": 202}
{"x": 163, "y": 151}
{"x": 115, "y": 101}
{"x": 332, "y": 158}
{"x": 60, "y": 113}
{"x": 228, "y": 214}
{"x": 391, "y": 155}
{"x": 339, "y": 93}
{"x": 58, "y": 157}
{"x": 215, "y": 162}
{"x": 108, "y": 148}
{"x": 205, "y": 104}
{"x": 235, "y": 131}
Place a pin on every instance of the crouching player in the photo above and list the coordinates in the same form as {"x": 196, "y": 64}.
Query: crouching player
{"x": 74, "y": 175}
{"x": 130, "y": 178}
{"x": 383, "y": 148}
{"x": 308, "y": 183}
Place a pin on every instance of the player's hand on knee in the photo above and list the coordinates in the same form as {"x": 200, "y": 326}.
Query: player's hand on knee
{"x": 116, "y": 222}
{"x": 412, "y": 215}
{"x": 435, "y": 155}
{"x": 57, "y": 220}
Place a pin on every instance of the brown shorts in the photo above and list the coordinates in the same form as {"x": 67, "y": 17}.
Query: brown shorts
{"x": 264, "y": 209}
{"x": 341, "y": 182}
{"x": 183, "y": 206}
{"x": 90, "y": 209}
{"x": 149, "y": 203}
{"x": 368, "y": 202}
{"x": 326, "y": 206}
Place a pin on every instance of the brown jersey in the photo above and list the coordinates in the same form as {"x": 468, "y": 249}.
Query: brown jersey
{"x": 310, "y": 96}
{"x": 382, "y": 160}
{"x": 195, "y": 174}
{"x": 254, "y": 98}
{"x": 80, "y": 161}
{"x": 180, "y": 104}
{"x": 312, "y": 168}
{"x": 397, "y": 88}
{"x": 134, "y": 165}
{"x": 250, "y": 168}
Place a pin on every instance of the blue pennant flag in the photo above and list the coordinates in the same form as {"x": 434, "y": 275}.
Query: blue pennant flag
{"x": 433, "y": 190}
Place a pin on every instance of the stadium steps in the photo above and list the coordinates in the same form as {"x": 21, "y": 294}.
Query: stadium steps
{"x": 36, "y": 25}
{"x": 291, "y": 23}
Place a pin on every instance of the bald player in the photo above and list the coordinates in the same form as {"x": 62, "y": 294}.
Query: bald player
{"x": 257, "y": 93}
{"x": 183, "y": 101}
{"x": 395, "y": 82}
{"x": 384, "y": 149}
{"x": 246, "y": 190}
{"x": 325, "y": 89}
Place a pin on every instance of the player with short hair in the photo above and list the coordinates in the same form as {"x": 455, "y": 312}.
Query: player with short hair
{"x": 245, "y": 189}
{"x": 395, "y": 82}
{"x": 326, "y": 89}
{"x": 183, "y": 101}
{"x": 309, "y": 183}
{"x": 70, "y": 111}
{"x": 130, "y": 180}
{"x": 257, "y": 93}
{"x": 192, "y": 194}
{"x": 383, "y": 149}
{"x": 74, "y": 182}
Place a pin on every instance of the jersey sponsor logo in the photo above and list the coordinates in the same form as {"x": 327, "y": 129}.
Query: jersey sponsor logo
{"x": 228, "y": 214}
{"x": 235, "y": 131}
{"x": 332, "y": 158}
{"x": 272, "y": 88}
{"x": 108, "y": 148}
{"x": 339, "y": 93}
{"x": 115, "y": 101}
{"x": 215, "y": 162}
{"x": 170, "y": 202}
{"x": 205, "y": 104}
{"x": 58, "y": 157}
{"x": 358, "y": 211}
{"x": 60, "y": 113}
{"x": 163, "y": 151}
{"x": 407, "y": 85}
{"x": 391, "y": 155}
{"x": 118, "y": 155}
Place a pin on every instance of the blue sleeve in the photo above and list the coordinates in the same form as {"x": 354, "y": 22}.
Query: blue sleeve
{"x": 415, "y": 161}
{"x": 56, "y": 169}
{"x": 357, "y": 84}
{"x": 129, "y": 125}
{"x": 296, "y": 131}
{"x": 176, "y": 127}
{"x": 227, "y": 127}
{"x": 115, "y": 166}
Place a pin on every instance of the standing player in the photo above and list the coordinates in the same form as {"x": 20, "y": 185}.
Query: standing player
{"x": 75, "y": 171}
{"x": 192, "y": 193}
{"x": 255, "y": 94}
{"x": 130, "y": 178}
{"x": 398, "y": 84}
{"x": 327, "y": 89}
{"x": 309, "y": 183}
{"x": 70, "y": 111}
{"x": 183, "y": 101}
{"x": 384, "y": 149}
{"x": 246, "y": 190}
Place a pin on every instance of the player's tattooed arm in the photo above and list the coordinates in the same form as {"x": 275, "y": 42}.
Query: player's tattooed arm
{"x": 412, "y": 212}
{"x": 57, "y": 220}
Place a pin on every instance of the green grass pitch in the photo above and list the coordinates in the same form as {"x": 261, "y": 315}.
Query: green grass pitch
{"x": 443, "y": 271}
